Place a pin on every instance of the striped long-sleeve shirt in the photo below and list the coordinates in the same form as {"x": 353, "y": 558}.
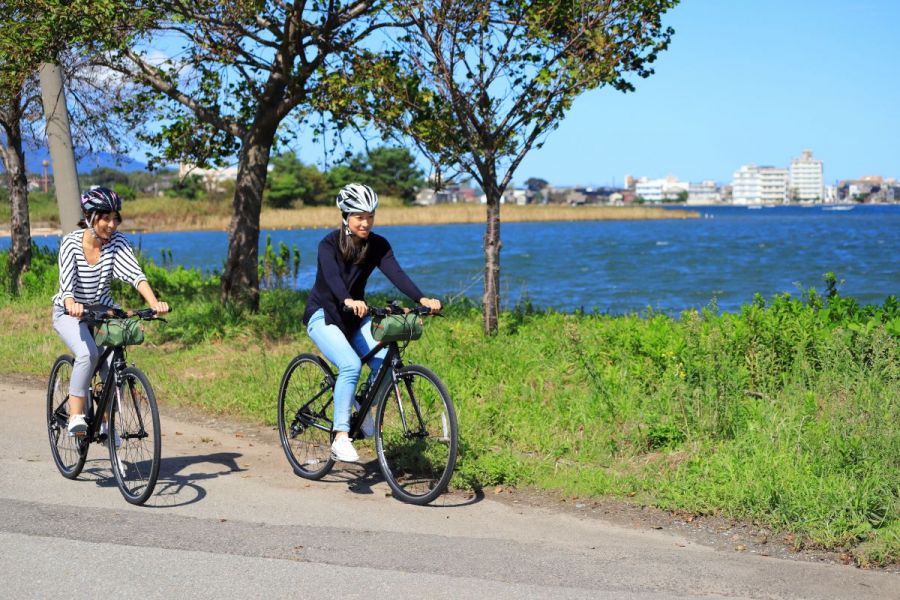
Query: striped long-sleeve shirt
{"x": 90, "y": 284}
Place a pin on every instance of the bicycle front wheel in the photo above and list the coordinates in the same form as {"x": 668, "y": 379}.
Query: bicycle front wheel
{"x": 134, "y": 440}
{"x": 69, "y": 453}
{"x": 305, "y": 407}
{"x": 417, "y": 436}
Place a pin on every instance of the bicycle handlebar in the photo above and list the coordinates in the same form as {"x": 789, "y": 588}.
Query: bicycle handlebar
{"x": 394, "y": 308}
{"x": 95, "y": 315}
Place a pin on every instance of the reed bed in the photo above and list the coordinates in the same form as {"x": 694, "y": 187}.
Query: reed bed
{"x": 325, "y": 216}
{"x": 177, "y": 214}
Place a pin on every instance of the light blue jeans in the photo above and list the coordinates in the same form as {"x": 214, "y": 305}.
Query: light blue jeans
{"x": 345, "y": 355}
{"x": 77, "y": 337}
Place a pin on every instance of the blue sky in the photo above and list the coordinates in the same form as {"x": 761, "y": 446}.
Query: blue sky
{"x": 744, "y": 81}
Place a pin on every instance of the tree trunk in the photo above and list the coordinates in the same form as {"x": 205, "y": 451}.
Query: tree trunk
{"x": 491, "y": 300}
{"x": 19, "y": 227}
{"x": 240, "y": 278}
{"x": 62, "y": 153}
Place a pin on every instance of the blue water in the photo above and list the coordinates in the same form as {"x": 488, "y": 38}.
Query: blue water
{"x": 620, "y": 266}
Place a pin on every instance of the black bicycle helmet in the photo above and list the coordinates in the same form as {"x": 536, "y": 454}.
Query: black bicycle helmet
{"x": 100, "y": 199}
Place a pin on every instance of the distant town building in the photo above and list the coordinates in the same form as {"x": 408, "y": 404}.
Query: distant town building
{"x": 452, "y": 194}
{"x": 657, "y": 190}
{"x": 806, "y": 181}
{"x": 871, "y": 188}
{"x": 212, "y": 178}
{"x": 510, "y": 196}
{"x": 759, "y": 185}
{"x": 705, "y": 192}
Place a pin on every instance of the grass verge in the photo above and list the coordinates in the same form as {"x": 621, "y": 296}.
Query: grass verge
{"x": 784, "y": 413}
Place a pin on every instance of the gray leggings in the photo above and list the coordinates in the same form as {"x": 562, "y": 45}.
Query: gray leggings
{"x": 77, "y": 337}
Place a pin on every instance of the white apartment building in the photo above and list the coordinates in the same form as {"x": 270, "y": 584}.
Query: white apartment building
{"x": 657, "y": 190}
{"x": 705, "y": 192}
{"x": 759, "y": 185}
{"x": 806, "y": 182}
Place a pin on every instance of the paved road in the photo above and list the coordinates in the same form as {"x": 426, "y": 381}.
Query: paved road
{"x": 229, "y": 518}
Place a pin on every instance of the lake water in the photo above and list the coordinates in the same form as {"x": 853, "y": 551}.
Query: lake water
{"x": 619, "y": 266}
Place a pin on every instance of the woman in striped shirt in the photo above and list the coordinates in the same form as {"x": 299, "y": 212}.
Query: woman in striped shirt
{"x": 88, "y": 260}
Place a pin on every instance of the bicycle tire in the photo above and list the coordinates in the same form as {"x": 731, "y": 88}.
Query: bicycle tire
{"x": 69, "y": 453}
{"x": 135, "y": 438}
{"x": 417, "y": 437}
{"x": 305, "y": 409}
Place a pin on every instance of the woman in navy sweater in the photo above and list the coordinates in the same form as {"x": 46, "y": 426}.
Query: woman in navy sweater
{"x": 346, "y": 259}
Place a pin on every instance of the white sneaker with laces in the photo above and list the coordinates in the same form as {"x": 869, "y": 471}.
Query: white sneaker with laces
{"x": 77, "y": 425}
{"x": 342, "y": 450}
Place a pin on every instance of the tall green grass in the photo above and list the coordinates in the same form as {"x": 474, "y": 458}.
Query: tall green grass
{"x": 785, "y": 413}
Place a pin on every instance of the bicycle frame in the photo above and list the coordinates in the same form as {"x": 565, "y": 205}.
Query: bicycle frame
{"x": 110, "y": 386}
{"x": 376, "y": 389}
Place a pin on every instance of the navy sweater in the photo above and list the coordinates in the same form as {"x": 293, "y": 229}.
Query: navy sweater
{"x": 337, "y": 280}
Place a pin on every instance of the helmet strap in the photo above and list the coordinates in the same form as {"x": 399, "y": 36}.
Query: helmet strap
{"x": 93, "y": 231}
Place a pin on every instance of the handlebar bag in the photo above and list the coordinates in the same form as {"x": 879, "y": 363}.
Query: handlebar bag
{"x": 397, "y": 328}
{"x": 119, "y": 332}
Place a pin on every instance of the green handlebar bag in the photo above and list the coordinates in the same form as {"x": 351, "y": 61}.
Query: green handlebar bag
{"x": 119, "y": 332}
{"x": 397, "y": 328}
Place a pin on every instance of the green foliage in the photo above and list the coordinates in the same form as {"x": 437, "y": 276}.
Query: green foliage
{"x": 279, "y": 269}
{"x": 389, "y": 171}
{"x": 290, "y": 181}
{"x": 189, "y": 187}
{"x": 124, "y": 191}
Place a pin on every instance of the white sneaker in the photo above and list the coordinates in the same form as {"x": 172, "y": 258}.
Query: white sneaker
{"x": 77, "y": 426}
{"x": 368, "y": 424}
{"x": 104, "y": 430}
{"x": 342, "y": 450}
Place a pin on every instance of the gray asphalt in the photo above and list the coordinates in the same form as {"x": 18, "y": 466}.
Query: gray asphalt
{"x": 229, "y": 518}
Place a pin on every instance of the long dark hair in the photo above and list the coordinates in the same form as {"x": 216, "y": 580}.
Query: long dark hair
{"x": 353, "y": 249}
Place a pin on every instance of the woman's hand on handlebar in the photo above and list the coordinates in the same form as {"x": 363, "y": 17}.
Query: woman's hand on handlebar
{"x": 160, "y": 308}
{"x": 75, "y": 309}
{"x": 358, "y": 307}
{"x": 433, "y": 303}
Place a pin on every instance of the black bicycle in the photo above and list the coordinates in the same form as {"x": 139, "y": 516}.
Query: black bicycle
{"x": 416, "y": 435}
{"x": 120, "y": 411}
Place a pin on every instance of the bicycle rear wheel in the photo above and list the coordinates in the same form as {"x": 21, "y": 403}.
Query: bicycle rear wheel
{"x": 69, "y": 453}
{"x": 305, "y": 409}
{"x": 417, "y": 436}
{"x": 134, "y": 440}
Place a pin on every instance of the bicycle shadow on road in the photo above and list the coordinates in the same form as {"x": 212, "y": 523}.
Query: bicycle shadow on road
{"x": 175, "y": 487}
{"x": 362, "y": 477}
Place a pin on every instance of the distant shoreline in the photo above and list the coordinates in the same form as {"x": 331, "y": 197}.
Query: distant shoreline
{"x": 318, "y": 217}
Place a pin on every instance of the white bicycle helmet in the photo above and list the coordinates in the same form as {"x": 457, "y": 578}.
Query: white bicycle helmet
{"x": 357, "y": 198}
